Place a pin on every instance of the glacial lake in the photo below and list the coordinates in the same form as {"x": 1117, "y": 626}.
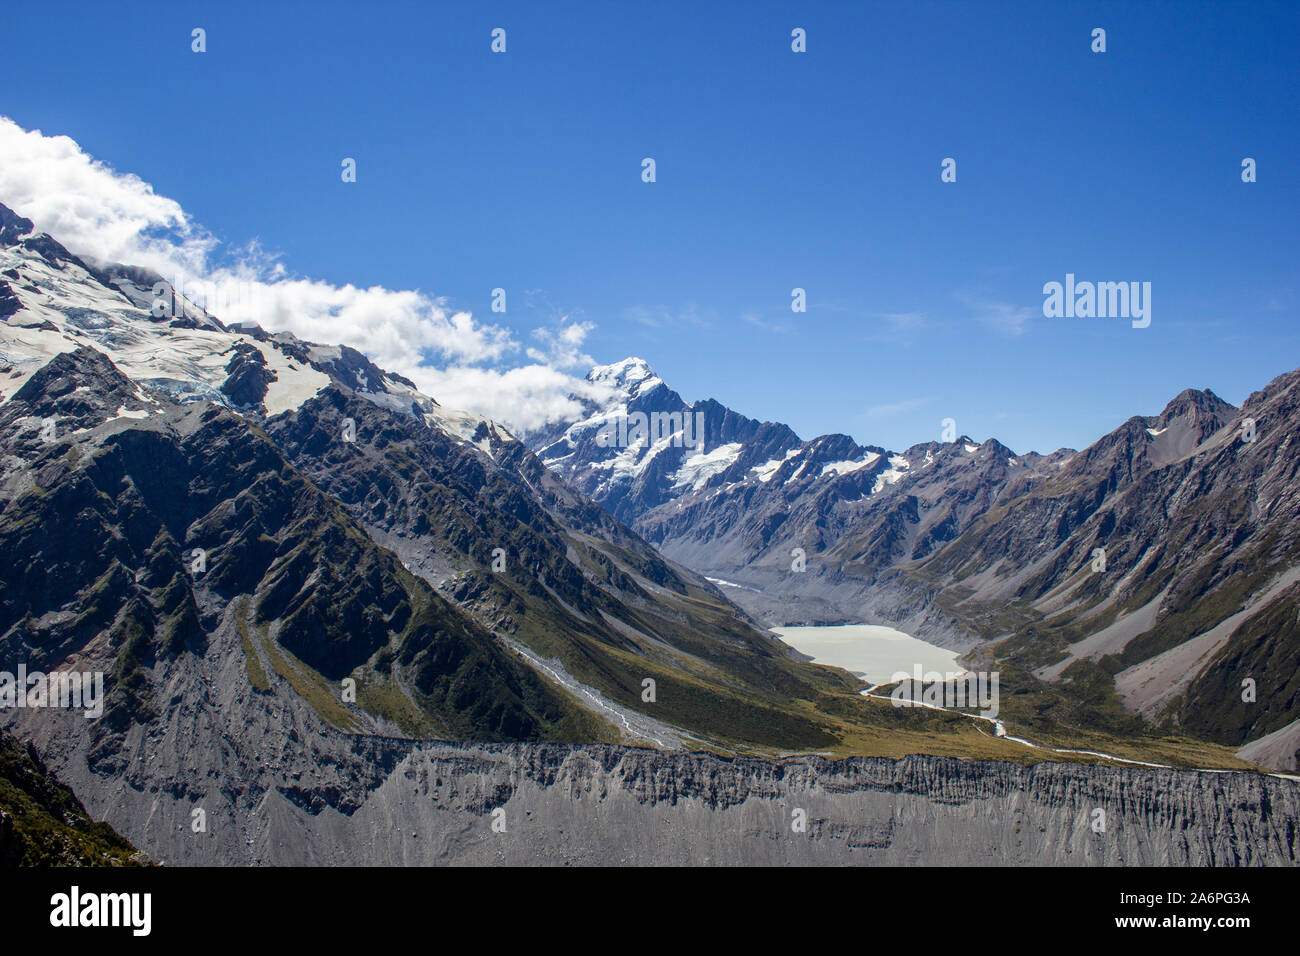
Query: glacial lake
{"x": 875, "y": 652}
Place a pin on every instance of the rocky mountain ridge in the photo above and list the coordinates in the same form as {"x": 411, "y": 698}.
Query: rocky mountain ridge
{"x": 1156, "y": 567}
{"x": 163, "y": 476}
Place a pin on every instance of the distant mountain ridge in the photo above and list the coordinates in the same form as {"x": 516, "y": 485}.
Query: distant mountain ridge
{"x": 755, "y": 491}
{"x": 965, "y": 543}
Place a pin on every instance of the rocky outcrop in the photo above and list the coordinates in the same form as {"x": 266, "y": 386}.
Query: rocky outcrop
{"x": 248, "y": 377}
{"x": 329, "y": 798}
{"x": 43, "y": 824}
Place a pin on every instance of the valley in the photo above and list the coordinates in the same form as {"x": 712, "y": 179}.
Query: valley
{"x": 992, "y": 554}
{"x": 330, "y": 612}
{"x": 680, "y": 436}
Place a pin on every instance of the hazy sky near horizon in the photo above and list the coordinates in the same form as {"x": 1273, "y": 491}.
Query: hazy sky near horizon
{"x": 774, "y": 170}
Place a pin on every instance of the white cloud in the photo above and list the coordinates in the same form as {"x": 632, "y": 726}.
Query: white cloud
{"x": 563, "y": 345}
{"x": 1004, "y": 317}
{"x": 393, "y": 328}
{"x": 91, "y": 208}
{"x": 103, "y": 214}
{"x": 662, "y": 316}
{"x": 753, "y": 319}
{"x": 524, "y": 397}
{"x": 904, "y": 321}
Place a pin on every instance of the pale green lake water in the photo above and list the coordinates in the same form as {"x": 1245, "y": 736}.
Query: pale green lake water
{"x": 875, "y": 652}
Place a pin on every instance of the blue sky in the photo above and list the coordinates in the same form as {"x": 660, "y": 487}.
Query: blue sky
{"x": 775, "y": 170}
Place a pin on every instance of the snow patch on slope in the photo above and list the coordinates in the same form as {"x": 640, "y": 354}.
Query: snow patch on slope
{"x": 898, "y": 466}
{"x": 766, "y": 471}
{"x": 294, "y": 384}
{"x": 848, "y": 467}
{"x": 700, "y": 467}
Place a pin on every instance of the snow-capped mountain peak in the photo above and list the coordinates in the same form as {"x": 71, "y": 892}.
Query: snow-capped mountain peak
{"x": 53, "y": 302}
{"x": 630, "y": 378}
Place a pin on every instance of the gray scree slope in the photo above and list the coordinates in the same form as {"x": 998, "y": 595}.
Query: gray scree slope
{"x": 325, "y": 797}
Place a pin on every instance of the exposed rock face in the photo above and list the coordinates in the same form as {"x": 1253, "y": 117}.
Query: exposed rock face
{"x": 248, "y": 377}
{"x": 102, "y": 523}
{"x": 9, "y": 302}
{"x": 230, "y": 524}
{"x": 633, "y": 478}
{"x": 1196, "y": 514}
{"x": 118, "y": 423}
{"x": 277, "y": 791}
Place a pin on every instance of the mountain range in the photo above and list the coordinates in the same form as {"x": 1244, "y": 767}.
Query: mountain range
{"x": 349, "y": 527}
{"x": 1143, "y": 582}
{"x": 308, "y": 585}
